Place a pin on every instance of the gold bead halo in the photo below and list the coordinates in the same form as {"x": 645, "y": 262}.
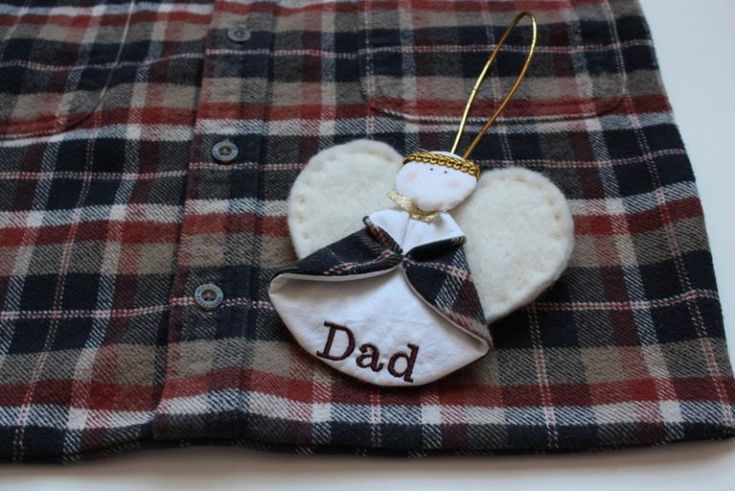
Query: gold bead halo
{"x": 456, "y": 163}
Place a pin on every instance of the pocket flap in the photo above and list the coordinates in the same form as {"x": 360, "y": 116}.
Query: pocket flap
{"x": 56, "y": 63}
{"x": 421, "y": 63}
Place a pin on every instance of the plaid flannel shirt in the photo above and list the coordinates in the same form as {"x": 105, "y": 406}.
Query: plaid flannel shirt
{"x": 148, "y": 148}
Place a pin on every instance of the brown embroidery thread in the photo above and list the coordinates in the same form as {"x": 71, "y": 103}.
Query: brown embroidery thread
{"x": 333, "y": 328}
{"x": 410, "y": 361}
{"x": 372, "y": 353}
{"x": 369, "y": 357}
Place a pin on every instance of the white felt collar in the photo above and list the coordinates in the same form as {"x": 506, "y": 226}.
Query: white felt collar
{"x": 409, "y": 234}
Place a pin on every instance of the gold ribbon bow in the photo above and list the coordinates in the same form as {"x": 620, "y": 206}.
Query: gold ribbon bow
{"x": 408, "y": 205}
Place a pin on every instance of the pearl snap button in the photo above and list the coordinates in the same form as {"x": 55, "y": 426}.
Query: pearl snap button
{"x": 238, "y": 34}
{"x": 208, "y": 296}
{"x": 224, "y": 152}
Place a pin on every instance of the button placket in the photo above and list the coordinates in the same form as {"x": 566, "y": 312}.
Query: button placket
{"x": 217, "y": 252}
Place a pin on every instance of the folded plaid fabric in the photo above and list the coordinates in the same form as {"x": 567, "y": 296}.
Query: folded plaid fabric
{"x": 148, "y": 149}
{"x": 437, "y": 271}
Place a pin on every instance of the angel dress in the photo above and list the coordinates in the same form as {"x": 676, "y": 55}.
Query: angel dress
{"x": 393, "y": 304}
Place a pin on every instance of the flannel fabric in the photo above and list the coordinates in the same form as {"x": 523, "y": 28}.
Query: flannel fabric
{"x": 114, "y": 208}
{"x": 437, "y": 271}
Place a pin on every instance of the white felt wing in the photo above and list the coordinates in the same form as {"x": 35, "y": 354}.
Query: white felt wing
{"x": 518, "y": 225}
{"x": 336, "y": 189}
{"x": 520, "y": 235}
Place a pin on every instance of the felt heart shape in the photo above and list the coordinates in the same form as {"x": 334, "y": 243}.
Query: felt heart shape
{"x": 518, "y": 225}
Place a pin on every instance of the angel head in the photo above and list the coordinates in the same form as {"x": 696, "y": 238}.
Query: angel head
{"x": 436, "y": 181}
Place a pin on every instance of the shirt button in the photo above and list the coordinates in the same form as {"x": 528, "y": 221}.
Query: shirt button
{"x": 224, "y": 152}
{"x": 238, "y": 34}
{"x": 208, "y": 296}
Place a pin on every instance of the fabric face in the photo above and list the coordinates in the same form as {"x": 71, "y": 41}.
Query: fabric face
{"x": 433, "y": 187}
{"x": 113, "y": 210}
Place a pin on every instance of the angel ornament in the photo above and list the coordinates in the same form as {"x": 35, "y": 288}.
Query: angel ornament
{"x": 408, "y": 298}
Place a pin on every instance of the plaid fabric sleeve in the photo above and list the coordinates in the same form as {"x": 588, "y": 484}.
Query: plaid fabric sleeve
{"x": 438, "y": 272}
{"x": 368, "y": 250}
{"x": 147, "y": 150}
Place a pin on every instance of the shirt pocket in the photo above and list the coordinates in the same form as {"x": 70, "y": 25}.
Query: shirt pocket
{"x": 420, "y": 63}
{"x": 57, "y": 59}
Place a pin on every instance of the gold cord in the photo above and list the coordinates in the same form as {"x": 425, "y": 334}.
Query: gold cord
{"x": 481, "y": 79}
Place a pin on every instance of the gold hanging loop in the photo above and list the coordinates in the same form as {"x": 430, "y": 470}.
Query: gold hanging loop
{"x": 481, "y": 79}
